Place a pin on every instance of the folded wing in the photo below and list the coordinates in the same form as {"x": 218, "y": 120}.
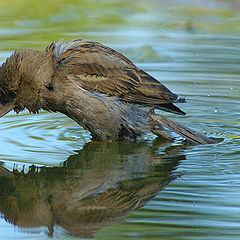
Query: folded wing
{"x": 100, "y": 68}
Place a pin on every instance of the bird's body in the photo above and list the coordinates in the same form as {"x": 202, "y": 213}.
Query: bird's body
{"x": 96, "y": 86}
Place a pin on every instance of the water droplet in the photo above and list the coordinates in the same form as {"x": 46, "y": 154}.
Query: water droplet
{"x": 216, "y": 110}
{"x": 231, "y": 88}
{"x": 208, "y": 94}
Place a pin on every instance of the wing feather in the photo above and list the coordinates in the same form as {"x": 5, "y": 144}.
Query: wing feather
{"x": 100, "y": 68}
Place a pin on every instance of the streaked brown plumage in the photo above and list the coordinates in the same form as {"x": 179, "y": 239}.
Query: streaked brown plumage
{"x": 96, "y": 86}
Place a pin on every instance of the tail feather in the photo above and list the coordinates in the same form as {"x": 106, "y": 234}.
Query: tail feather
{"x": 183, "y": 131}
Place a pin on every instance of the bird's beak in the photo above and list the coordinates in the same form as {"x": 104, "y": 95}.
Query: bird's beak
{"x": 4, "y": 109}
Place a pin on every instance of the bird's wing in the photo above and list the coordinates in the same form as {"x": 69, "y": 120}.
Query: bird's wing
{"x": 100, "y": 68}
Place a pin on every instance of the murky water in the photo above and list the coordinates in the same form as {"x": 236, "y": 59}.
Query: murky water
{"x": 56, "y": 183}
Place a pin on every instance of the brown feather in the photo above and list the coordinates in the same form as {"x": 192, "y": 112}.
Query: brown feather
{"x": 78, "y": 78}
{"x": 100, "y": 68}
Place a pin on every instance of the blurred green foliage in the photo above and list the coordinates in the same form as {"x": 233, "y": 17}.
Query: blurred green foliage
{"x": 36, "y": 22}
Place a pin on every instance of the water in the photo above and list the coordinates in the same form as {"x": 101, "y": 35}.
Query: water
{"x": 56, "y": 183}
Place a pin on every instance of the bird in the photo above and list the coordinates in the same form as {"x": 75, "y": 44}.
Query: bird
{"x": 96, "y": 86}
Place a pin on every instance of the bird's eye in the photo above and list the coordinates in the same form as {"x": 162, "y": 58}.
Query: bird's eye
{"x": 49, "y": 86}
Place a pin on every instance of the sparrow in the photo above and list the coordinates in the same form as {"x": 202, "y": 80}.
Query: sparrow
{"x": 96, "y": 86}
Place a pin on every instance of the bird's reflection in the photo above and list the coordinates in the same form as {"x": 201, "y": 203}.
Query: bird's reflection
{"x": 93, "y": 189}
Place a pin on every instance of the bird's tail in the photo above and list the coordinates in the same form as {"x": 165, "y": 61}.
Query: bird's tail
{"x": 183, "y": 131}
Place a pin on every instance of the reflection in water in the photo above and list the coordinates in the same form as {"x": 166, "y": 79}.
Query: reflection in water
{"x": 95, "y": 188}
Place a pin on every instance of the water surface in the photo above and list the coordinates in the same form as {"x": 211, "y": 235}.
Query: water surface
{"x": 56, "y": 183}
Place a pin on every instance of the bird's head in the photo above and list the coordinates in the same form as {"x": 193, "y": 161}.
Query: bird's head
{"x": 25, "y": 81}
